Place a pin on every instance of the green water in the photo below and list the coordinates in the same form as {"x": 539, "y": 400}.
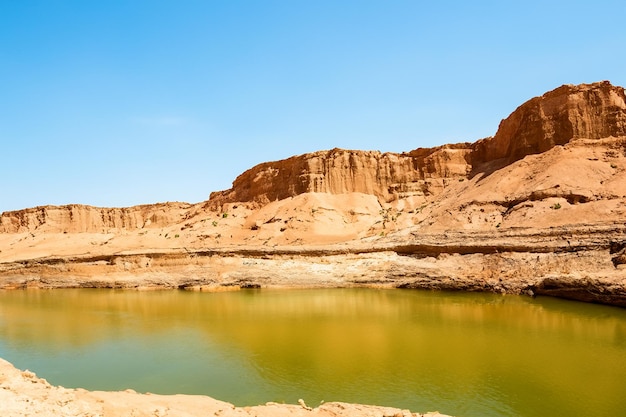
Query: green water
{"x": 460, "y": 354}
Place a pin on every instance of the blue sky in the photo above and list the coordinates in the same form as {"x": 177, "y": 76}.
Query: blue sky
{"x": 116, "y": 103}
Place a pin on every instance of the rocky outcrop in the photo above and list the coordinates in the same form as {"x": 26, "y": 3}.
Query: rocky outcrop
{"x": 589, "y": 111}
{"x": 76, "y": 218}
{"x": 586, "y": 111}
{"x": 388, "y": 176}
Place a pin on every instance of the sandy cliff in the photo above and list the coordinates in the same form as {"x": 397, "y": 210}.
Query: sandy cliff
{"x": 587, "y": 111}
{"x": 77, "y": 218}
{"x": 388, "y": 176}
{"x": 538, "y": 208}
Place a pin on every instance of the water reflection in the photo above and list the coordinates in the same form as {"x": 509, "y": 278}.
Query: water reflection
{"x": 462, "y": 354}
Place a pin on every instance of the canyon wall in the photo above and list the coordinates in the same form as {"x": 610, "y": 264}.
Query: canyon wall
{"x": 388, "y": 176}
{"x": 590, "y": 111}
{"x": 537, "y": 209}
{"x": 76, "y": 218}
{"x": 586, "y": 111}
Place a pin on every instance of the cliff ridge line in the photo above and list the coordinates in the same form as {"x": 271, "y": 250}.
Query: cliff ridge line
{"x": 569, "y": 112}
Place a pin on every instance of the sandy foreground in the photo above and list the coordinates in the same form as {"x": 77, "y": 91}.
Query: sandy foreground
{"x": 22, "y": 393}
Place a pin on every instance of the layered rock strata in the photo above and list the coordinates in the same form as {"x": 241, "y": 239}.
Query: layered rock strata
{"x": 587, "y": 111}
{"x": 584, "y": 263}
{"x": 388, "y": 176}
{"x": 537, "y": 209}
{"x": 77, "y": 218}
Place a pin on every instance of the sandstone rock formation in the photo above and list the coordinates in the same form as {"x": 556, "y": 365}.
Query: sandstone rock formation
{"x": 76, "y": 218}
{"x": 587, "y": 111}
{"x": 388, "y": 176}
{"x": 548, "y": 190}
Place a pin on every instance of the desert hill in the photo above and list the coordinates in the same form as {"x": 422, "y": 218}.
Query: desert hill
{"x": 550, "y": 186}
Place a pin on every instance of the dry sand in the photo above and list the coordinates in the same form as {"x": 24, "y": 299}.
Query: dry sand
{"x": 23, "y": 394}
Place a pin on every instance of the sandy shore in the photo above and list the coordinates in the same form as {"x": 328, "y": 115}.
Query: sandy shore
{"x": 22, "y": 393}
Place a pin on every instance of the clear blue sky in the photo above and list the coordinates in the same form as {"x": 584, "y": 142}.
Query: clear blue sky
{"x": 116, "y": 103}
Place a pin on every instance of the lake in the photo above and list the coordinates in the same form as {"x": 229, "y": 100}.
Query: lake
{"x": 462, "y": 354}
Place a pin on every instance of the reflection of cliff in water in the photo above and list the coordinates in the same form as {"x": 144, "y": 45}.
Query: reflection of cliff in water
{"x": 389, "y": 347}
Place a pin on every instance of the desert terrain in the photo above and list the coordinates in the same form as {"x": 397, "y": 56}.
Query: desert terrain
{"x": 537, "y": 209}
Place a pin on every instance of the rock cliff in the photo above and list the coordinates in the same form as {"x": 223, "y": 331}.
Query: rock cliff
{"x": 77, "y": 218}
{"x": 538, "y": 208}
{"x": 587, "y": 111}
{"x": 388, "y": 176}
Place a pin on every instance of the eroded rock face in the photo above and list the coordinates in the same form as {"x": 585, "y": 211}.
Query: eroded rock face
{"x": 76, "y": 218}
{"x": 388, "y": 176}
{"x": 586, "y": 111}
{"x": 512, "y": 213}
{"x": 419, "y": 177}
{"x": 590, "y": 111}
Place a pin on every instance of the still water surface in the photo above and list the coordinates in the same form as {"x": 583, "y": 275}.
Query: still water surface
{"x": 460, "y": 354}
